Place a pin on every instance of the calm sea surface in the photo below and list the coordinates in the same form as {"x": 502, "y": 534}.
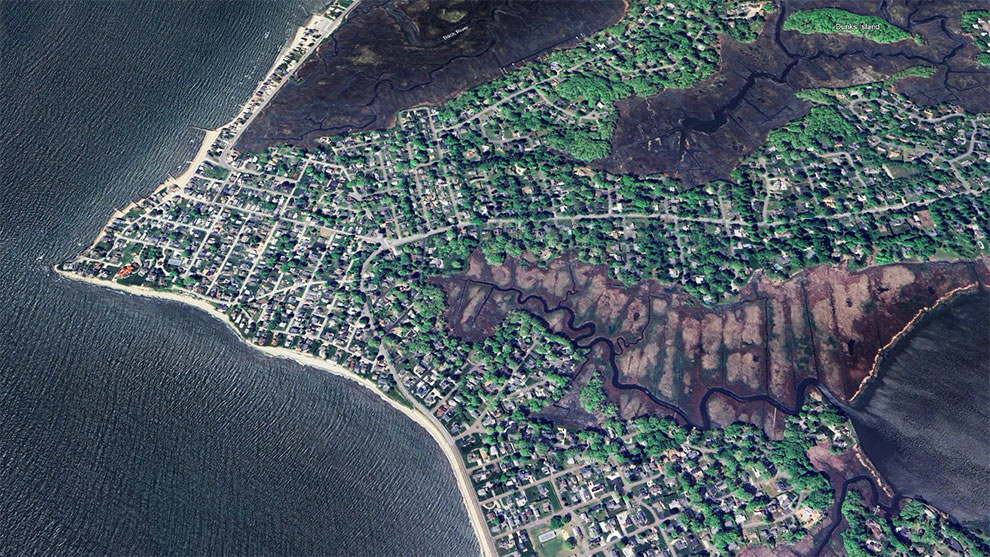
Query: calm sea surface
{"x": 925, "y": 422}
{"x": 133, "y": 426}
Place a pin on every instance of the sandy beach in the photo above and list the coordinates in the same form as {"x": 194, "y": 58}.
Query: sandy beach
{"x": 439, "y": 436}
{"x": 176, "y": 185}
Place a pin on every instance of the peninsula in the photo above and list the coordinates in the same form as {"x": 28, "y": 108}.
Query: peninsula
{"x": 623, "y": 347}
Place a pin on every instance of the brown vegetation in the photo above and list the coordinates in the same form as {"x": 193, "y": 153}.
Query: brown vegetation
{"x": 391, "y": 55}
{"x": 743, "y": 360}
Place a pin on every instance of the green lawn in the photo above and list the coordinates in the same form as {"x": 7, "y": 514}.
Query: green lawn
{"x": 552, "y": 548}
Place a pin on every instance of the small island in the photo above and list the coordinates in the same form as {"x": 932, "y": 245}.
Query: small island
{"x": 832, "y": 20}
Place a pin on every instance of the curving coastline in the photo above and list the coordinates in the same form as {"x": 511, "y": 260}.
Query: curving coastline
{"x": 426, "y": 422}
{"x": 175, "y": 185}
{"x": 923, "y": 421}
{"x": 875, "y": 367}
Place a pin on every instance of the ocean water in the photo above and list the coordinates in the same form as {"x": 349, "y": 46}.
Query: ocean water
{"x": 925, "y": 422}
{"x": 135, "y": 426}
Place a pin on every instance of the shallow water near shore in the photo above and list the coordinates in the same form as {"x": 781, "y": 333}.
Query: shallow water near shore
{"x": 925, "y": 421}
{"x": 137, "y": 426}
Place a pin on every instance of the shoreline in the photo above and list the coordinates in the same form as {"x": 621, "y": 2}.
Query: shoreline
{"x": 179, "y": 183}
{"x": 878, "y": 359}
{"x": 261, "y": 95}
{"x": 210, "y": 136}
{"x": 450, "y": 451}
{"x": 865, "y": 461}
{"x": 175, "y": 185}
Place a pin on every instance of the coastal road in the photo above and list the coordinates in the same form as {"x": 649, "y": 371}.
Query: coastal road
{"x": 470, "y": 497}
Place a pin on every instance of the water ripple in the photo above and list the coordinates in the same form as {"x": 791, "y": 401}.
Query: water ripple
{"x": 133, "y": 426}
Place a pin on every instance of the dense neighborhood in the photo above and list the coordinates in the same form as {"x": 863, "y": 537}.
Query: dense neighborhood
{"x": 330, "y": 252}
